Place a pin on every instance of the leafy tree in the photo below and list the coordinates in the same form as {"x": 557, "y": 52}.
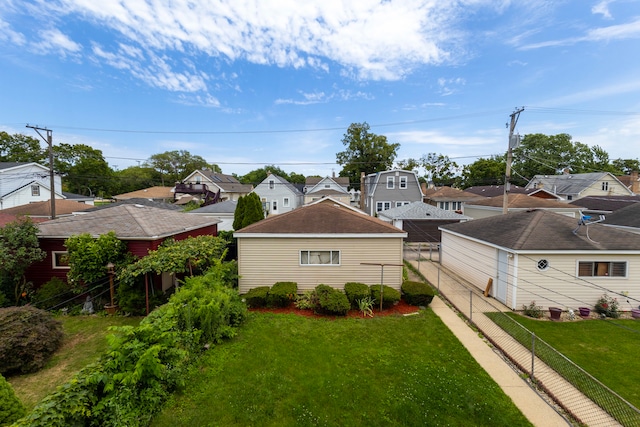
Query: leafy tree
{"x": 409, "y": 164}
{"x": 489, "y": 171}
{"x": 256, "y": 176}
{"x": 297, "y": 178}
{"x": 21, "y": 148}
{"x": 365, "y": 152}
{"x": 440, "y": 169}
{"x": 84, "y": 169}
{"x": 253, "y": 211}
{"x": 88, "y": 257}
{"x": 173, "y": 166}
{"x": 135, "y": 178}
{"x": 19, "y": 248}
{"x": 626, "y": 166}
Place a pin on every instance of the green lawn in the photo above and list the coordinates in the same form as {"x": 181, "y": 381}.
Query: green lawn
{"x": 288, "y": 370}
{"x": 607, "y": 349}
{"x": 84, "y": 341}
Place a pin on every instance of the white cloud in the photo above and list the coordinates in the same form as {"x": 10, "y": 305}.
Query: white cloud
{"x": 376, "y": 40}
{"x": 9, "y": 35}
{"x": 54, "y": 41}
{"x": 450, "y": 86}
{"x": 323, "y": 98}
{"x": 602, "y": 8}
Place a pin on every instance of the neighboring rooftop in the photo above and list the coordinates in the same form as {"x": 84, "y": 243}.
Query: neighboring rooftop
{"x": 157, "y": 192}
{"x": 43, "y": 209}
{"x": 606, "y": 203}
{"x": 143, "y": 202}
{"x": 545, "y": 231}
{"x": 420, "y": 210}
{"x": 228, "y": 206}
{"x": 522, "y": 201}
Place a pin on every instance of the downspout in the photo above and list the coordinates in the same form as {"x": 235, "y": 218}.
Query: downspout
{"x": 515, "y": 282}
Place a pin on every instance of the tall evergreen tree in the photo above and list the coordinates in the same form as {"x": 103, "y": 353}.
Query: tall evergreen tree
{"x": 252, "y": 210}
{"x": 239, "y": 214}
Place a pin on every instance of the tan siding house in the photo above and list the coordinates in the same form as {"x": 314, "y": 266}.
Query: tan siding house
{"x": 544, "y": 257}
{"x": 322, "y": 243}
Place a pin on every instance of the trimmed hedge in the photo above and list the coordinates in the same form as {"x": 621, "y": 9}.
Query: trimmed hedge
{"x": 356, "y": 291}
{"x": 390, "y": 296}
{"x": 332, "y": 301}
{"x": 29, "y": 336}
{"x": 282, "y": 294}
{"x": 257, "y": 297}
{"x": 11, "y": 409}
{"x": 145, "y": 364}
{"x": 417, "y": 293}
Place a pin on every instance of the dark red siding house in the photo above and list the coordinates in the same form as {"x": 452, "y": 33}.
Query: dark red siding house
{"x": 144, "y": 228}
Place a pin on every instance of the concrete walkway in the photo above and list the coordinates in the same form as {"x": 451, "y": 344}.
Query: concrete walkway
{"x": 535, "y": 408}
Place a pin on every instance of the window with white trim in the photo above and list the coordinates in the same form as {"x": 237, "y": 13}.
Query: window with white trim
{"x": 35, "y": 190}
{"x": 602, "y": 269}
{"x": 605, "y": 186}
{"x": 271, "y": 184}
{"x": 383, "y": 206}
{"x": 275, "y": 205}
{"x": 285, "y": 202}
{"x": 391, "y": 182}
{"x": 60, "y": 259}
{"x": 403, "y": 182}
{"x": 319, "y": 257}
{"x": 398, "y": 204}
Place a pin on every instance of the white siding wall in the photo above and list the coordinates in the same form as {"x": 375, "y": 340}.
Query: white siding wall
{"x": 472, "y": 261}
{"x": 559, "y": 285}
{"x": 265, "y": 261}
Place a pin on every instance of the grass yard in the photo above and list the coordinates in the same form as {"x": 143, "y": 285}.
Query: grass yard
{"x": 607, "y": 349}
{"x": 289, "y": 370}
{"x": 84, "y": 341}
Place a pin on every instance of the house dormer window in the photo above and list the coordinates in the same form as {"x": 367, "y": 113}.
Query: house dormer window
{"x": 271, "y": 184}
{"x": 605, "y": 186}
{"x": 403, "y": 182}
{"x": 35, "y": 190}
{"x": 391, "y": 182}
{"x": 198, "y": 179}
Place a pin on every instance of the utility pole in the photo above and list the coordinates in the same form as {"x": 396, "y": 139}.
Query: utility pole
{"x": 49, "y": 141}
{"x": 514, "y": 141}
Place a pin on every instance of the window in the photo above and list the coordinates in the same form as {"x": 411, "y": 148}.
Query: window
{"x": 275, "y": 205}
{"x": 35, "y": 190}
{"x": 602, "y": 269}
{"x": 265, "y": 205}
{"x": 285, "y": 202}
{"x": 327, "y": 186}
{"x": 543, "y": 264}
{"x": 605, "y": 186}
{"x": 382, "y": 206}
{"x": 403, "y": 182}
{"x": 271, "y": 184}
{"x": 319, "y": 257}
{"x": 391, "y": 182}
{"x": 569, "y": 197}
{"x": 444, "y": 205}
{"x": 60, "y": 259}
{"x": 398, "y": 204}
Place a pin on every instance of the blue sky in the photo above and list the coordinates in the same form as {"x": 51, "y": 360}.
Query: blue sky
{"x": 244, "y": 83}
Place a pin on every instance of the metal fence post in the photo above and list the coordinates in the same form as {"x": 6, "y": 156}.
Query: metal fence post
{"x": 533, "y": 354}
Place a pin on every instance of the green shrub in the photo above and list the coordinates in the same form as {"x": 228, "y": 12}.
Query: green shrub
{"x": 356, "y": 291}
{"x": 257, "y": 297}
{"x": 55, "y": 294}
{"x": 390, "y": 296}
{"x": 145, "y": 364}
{"x": 532, "y": 310}
{"x": 282, "y": 294}
{"x": 417, "y": 293}
{"x": 607, "y": 306}
{"x": 29, "y": 337}
{"x": 11, "y": 409}
{"x": 332, "y": 301}
{"x": 132, "y": 299}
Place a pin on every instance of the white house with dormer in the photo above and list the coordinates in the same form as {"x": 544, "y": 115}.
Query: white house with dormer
{"x": 22, "y": 183}
{"x": 278, "y": 195}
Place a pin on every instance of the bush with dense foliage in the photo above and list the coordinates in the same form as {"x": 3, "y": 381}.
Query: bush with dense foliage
{"x": 282, "y": 294}
{"x": 390, "y": 296}
{"x": 29, "y": 336}
{"x": 54, "y": 295}
{"x": 257, "y": 297}
{"x": 417, "y": 293}
{"x": 356, "y": 291}
{"x": 11, "y": 409}
{"x": 145, "y": 364}
{"x": 332, "y": 301}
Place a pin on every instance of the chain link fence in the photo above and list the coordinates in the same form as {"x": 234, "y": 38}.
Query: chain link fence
{"x": 579, "y": 394}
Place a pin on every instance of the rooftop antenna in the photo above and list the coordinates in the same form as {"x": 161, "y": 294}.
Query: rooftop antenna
{"x": 587, "y": 220}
